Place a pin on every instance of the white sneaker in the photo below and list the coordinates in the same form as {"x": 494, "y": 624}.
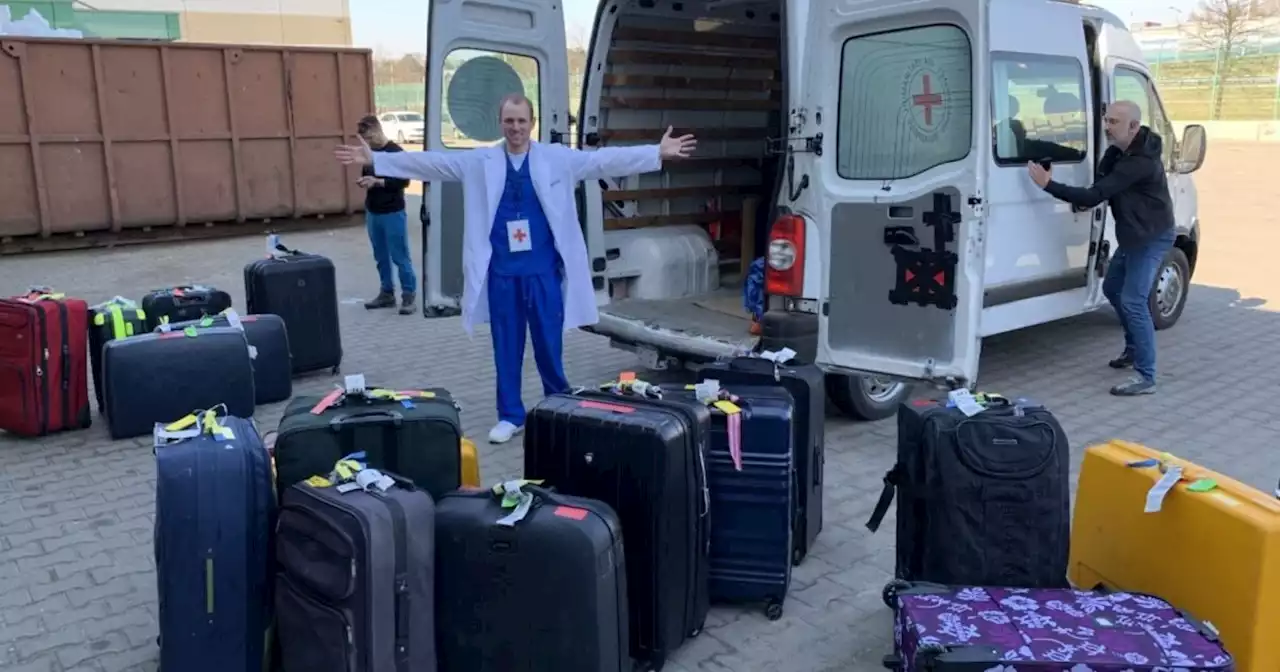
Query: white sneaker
{"x": 503, "y": 431}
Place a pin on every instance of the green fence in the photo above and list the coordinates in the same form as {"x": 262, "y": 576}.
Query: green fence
{"x": 1206, "y": 86}
{"x": 104, "y": 24}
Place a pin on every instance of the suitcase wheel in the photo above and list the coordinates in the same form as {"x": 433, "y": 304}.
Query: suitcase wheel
{"x": 797, "y": 557}
{"x": 773, "y": 610}
{"x": 890, "y": 593}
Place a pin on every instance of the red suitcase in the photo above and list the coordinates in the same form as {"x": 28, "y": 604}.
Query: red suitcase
{"x": 44, "y": 364}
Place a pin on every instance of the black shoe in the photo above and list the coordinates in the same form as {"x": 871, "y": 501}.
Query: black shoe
{"x": 1124, "y": 361}
{"x": 407, "y": 301}
{"x": 1134, "y": 387}
{"x": 382, "y": 300}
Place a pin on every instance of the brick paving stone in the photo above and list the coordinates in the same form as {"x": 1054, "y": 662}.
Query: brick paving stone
{"x": 77, "y": 577}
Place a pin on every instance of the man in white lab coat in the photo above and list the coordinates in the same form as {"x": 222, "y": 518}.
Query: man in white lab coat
{"x": 524, "y": 258}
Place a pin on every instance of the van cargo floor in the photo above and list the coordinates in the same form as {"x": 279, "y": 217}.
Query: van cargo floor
{"x": 712, "y": 324}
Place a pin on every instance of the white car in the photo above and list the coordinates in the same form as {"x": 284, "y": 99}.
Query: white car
{"x": 404, "y": 126}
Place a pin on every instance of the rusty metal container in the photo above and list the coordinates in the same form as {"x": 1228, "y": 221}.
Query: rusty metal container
{"x": 99, "y": 139}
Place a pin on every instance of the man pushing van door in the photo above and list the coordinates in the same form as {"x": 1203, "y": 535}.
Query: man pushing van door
{"x": 1131, "y": 178}
{"x": 524, "y": 255}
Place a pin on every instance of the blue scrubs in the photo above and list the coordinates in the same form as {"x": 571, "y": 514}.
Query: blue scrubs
{"x": 524, "y": 293}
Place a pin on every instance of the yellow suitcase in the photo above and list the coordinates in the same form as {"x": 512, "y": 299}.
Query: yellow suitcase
{"x": 470, "y": 464}
{"x": 1214, "y": 553}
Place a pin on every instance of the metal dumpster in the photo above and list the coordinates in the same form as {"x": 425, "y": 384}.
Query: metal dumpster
{"x": 109, "y": 141}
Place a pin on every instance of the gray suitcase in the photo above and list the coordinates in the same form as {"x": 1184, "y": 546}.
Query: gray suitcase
{"x": 356, "y": 584}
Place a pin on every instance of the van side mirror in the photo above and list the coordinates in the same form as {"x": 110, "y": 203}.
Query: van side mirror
{"x": 1192, "y": 152}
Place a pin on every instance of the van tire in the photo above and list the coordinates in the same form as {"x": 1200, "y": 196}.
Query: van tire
{"x": 1173, "y": 277}
{"x": 858, "y": 398}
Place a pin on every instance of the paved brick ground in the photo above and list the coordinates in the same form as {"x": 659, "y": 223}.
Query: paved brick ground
{"x": 76, "y": 574}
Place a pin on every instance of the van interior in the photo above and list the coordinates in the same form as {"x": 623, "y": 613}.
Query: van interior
{"x": 679, "y": 242}
{"x": 714, "y": 69}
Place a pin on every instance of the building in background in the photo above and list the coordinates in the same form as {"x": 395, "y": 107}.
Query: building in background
{"x": 278, "y": 22}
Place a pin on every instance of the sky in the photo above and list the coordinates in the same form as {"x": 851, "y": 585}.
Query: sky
{"x": 396, "y": 27}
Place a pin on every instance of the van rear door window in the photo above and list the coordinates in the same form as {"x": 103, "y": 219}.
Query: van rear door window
{"x": 906, "y": 102}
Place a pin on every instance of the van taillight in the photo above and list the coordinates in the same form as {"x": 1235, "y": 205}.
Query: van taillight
{"x": 784, "y": 262}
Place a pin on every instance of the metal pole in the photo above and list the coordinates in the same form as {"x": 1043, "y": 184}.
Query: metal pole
{"x": 1275, "y": 106}
{"x": 1215, "y": 108}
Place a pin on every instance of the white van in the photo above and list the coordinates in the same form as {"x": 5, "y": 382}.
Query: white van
{"x": 886, "y": 141}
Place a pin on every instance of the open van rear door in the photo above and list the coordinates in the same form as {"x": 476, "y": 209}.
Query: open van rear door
{"x": 478, "y": 52}
{"x": 900, "y": 184}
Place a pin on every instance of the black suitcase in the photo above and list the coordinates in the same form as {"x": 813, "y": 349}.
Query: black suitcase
{"x": 565, "y": 553}
{"x": 356, "y": 581}
{"x": 183, "y": 303}
{"x": 419, "y": 438}
{"x": 215, "y": 514}
{"x": 154, "y": 378}
{"x": 982, "y": 500}
{"x": 302, "y": 289}
{"x": 115, "y": 319}
{"x": 805, "y": 383}
{"x": 269, "y": 342}
{"x": 645, "y": 459}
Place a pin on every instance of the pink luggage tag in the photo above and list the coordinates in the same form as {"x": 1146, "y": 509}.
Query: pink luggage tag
{"x": 733, "y": 422}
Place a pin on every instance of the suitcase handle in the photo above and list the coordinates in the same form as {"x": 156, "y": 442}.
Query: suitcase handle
{"x": 754, "y": 365}
{"x": 365, "y": 418}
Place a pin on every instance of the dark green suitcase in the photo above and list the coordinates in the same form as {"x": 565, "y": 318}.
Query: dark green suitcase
{"x": 418, "y": 438}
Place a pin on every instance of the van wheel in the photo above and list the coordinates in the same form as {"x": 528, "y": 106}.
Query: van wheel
{"x": 1169, "y": 292}
{"x": 865, "y": 397}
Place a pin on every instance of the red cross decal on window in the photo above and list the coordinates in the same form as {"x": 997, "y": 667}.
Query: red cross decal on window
{"x": 520, "y": 235}
{"x": 927, "y": 99}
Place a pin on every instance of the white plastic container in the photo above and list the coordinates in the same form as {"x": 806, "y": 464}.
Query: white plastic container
{"x": 661, "y": 262}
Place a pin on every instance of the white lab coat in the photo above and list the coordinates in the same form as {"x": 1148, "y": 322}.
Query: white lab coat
{"x": 556, "y": 170}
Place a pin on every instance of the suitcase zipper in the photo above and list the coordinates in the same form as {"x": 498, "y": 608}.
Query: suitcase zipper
{"x": 398, "y": 539}
{"x": 42, "y": 365}
{"x": 66, "y": 368}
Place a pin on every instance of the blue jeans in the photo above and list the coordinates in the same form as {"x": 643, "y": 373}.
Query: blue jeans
{"x": 389, "y": 235}
{"x": 531, "y": 303}
{"x": 1128, "y": 287}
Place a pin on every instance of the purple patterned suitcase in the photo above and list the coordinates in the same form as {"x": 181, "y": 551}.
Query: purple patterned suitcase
{"x": 966, "y": 629}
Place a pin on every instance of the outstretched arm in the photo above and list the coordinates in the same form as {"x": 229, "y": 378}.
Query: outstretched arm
{"x": 623, "y": 161}
{"x": 1124, "y": 175}
{"x": 425, "y": 166}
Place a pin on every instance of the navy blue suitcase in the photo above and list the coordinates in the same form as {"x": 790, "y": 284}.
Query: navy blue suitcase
{"x": 215, "y": 512}
{"x": 269, "y": 339}
{"x": 806, "y": 385}
{"x": 751, "y": 509}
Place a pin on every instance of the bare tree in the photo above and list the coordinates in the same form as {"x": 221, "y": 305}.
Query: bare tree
{"x": 1225, "y": 27}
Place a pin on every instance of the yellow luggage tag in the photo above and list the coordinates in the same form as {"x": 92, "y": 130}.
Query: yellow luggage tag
{"x": 345, "y": 470}
{"x": 219, "y": 431}
{"x": 511, "y": 499}
{"x": 181, "y": 423}
{"x": 727, "y": 407}
{"x": 319, "y": 482}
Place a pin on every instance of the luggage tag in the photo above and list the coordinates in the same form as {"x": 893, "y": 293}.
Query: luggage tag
{"x": 514, "y": 497}
{"x": 354, "y": 384}
{"x": 186, "y": 427}
{"x": 779, "y": 359}
{"x": 328, "y": 401}
{"x": 368, "y": 480}
{"x": 1157, "y": 493}
{"x": 963, "y": 400}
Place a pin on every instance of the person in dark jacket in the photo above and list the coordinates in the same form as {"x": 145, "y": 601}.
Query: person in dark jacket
{"x": 387, "y": 223}
{"x": 1131, "y": 179}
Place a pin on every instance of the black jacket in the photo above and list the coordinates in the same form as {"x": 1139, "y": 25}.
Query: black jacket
{"x": 388, "y": 199}
{"x": 1133, "y": 182}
